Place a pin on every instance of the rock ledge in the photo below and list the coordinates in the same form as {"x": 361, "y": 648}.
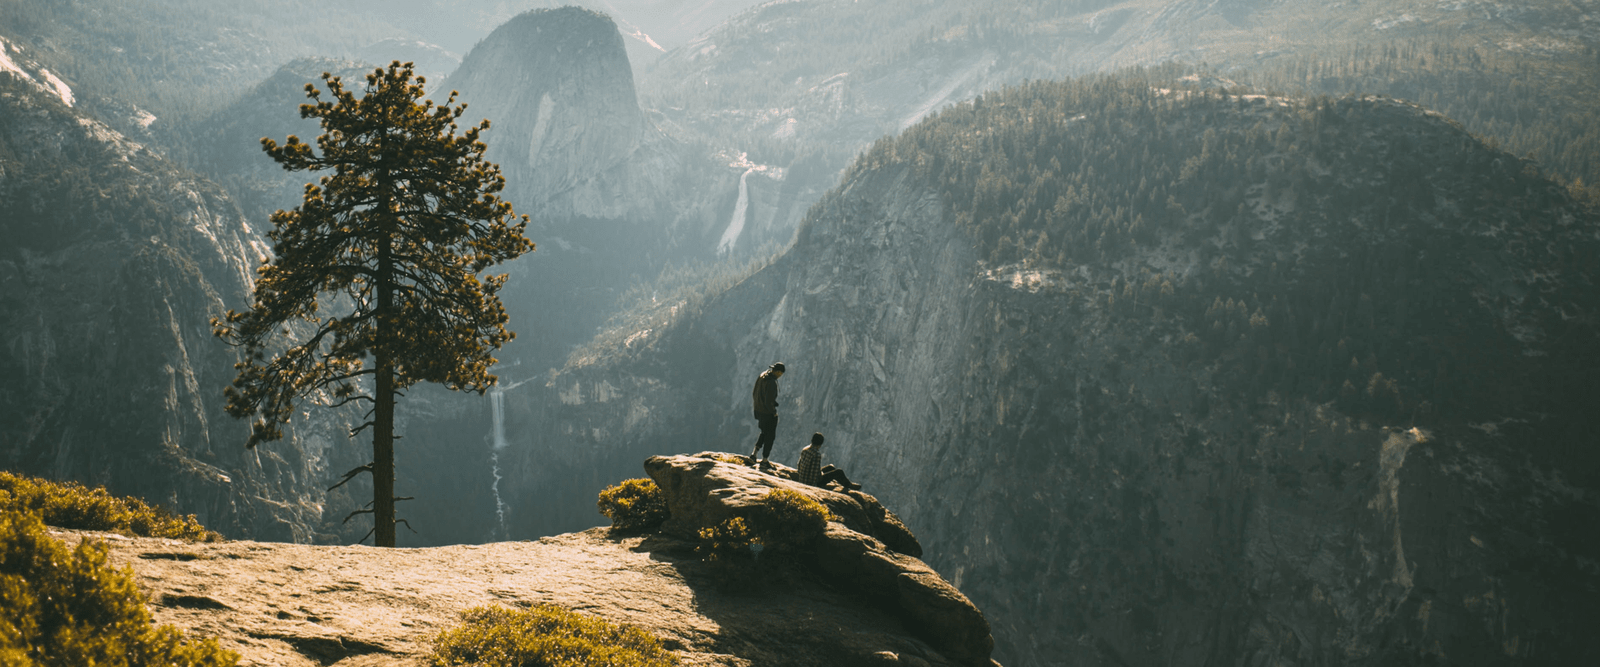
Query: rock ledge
{"x": 857, "y": 602}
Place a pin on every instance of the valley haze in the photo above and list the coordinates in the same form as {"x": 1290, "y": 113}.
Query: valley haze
{"x": 1224, "y": 332}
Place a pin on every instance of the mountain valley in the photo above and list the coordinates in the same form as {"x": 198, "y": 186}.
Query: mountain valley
{"x": 1222, "y": 332}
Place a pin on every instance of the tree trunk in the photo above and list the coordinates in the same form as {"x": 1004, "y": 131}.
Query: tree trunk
{"x": 383, "y": 394}
{"x": 383, "y": 456}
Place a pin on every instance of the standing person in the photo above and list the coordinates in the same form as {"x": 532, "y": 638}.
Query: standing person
{"x": 811, "y": 471}
{"x": 764, "y": 398}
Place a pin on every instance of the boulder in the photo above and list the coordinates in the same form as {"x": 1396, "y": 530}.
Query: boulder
{"x": 867, "y": 551}
{"x": 703, "y": 490}
{"x": 706, "y": 488}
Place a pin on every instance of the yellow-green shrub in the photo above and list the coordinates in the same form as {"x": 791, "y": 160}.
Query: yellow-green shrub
{"x": 72, "y": 505}
{"x": 635, "y": 504}
{"x": 726, "y": 542}
{"x": 545, "y": 636}
{"x": 67, "y": 608}
{"x": 784, "y": 521}
{"x": 787, "y": 520}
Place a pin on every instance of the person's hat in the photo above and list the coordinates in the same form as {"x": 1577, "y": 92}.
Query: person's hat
{"x": 778, "y": 367}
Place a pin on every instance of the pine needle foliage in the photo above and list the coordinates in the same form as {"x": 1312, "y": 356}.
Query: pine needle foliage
{"x": 634, "y": 504}
{"x": 382, "y": 261}
{"x": 68, "y": 608}
{"x": 545, "y": 636}
{"x": 73, "y": 505}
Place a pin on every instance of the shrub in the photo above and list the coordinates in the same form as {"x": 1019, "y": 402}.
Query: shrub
{"x": 726, "y": 542}
{"x": 784, "y": 521}
{"x": 68, "y": 608}
{"x": 72, "y": 505}
{"x": 635, "y": 504}
{"x": 545, "y": 636}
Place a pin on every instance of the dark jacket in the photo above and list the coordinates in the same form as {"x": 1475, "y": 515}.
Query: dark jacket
{"x": 764, "y": 396}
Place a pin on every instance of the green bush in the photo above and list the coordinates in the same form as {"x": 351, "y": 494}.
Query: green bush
{"x": 784, "y": 521}
{"x": 726, "y": 542}
{"x": 787, "y": 520}
{"x": 72, "y": 505}
{"x": 545, "y": 636}
{"x": 67, "y": 608}
{"x": 635, "y": 504}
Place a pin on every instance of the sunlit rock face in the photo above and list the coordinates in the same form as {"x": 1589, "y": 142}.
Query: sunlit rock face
{"x": 567, "y": 129}
{"x": 112, "y": 265}
{"x": 1119, "y": 474}
{"x": 845, "y": 598}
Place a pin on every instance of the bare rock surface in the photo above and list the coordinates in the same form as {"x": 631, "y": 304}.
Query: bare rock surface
{"x": 704, "y": 489}
{"x": 296, "y": 605}
{"x": 707, "y": 488}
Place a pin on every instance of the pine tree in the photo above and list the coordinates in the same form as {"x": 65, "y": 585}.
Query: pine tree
{"x": 381, "y": 261}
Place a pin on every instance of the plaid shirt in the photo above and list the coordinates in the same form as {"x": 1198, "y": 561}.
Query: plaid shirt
{"x": 810, "y": 469}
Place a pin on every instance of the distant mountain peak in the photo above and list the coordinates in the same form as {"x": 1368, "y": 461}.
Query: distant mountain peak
{"x": 557, "y": 86}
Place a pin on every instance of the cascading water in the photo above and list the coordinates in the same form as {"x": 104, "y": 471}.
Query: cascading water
{"x": 736, "y": 225}
{"x": 497, "y": 407}
{"x": 497, "y": 410}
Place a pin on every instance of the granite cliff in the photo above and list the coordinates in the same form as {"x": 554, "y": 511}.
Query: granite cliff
{"x": 1304, "y": 395}
{"x": 113, "y": 263}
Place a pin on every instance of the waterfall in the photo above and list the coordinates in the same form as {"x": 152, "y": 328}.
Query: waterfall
{"x": 497, "y": 406}
{"x": 736, "y": 225}
{"x": 497, "y": 411}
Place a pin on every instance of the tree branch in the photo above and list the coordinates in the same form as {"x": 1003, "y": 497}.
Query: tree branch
{"x": 351, "y": 475}
{"x": 353, "y": 515}
{"x": 352, "y": 399}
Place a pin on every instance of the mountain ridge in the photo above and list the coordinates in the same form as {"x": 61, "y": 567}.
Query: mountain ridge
{"x": 1131, "y": 414}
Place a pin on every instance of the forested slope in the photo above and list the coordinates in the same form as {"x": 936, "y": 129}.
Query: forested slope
{"x": 822, "y": 78}
{"x": 113, "y": 263}
{"x": 1162, "y": 374}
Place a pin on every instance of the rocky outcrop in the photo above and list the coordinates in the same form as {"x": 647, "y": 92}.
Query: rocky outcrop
{"x": 289, "y": 605}
{"x": 857, "y": 604}
{"x": 706, "y": 489}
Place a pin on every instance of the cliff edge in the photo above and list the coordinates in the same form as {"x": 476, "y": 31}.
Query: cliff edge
{"x": 854, "y": 601}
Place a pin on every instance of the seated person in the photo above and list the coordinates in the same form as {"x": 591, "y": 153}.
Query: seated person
{"x": 811, "y": 470}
